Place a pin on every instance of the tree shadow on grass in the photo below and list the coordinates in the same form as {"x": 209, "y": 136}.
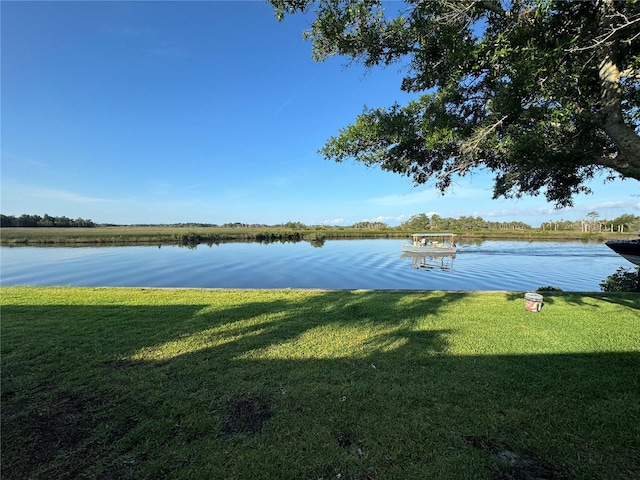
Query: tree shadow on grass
{"x": 330, "y": 385}
{"x": 630, "y": 300}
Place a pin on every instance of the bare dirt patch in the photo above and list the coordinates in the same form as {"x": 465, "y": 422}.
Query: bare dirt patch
{"x": 35, "y": 433}
{"x": 511, "y": 465}
{"x": 246, "y": 414}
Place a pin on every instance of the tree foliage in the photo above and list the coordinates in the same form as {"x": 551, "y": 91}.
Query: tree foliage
{"x": 367, "y": 225}
{"x": 625, "y": 223}
{"x": 543, "y": 93}
{"x": 26, "y": 220}
{"x": 624, "y": 280}
{"x": 422, "y": 222}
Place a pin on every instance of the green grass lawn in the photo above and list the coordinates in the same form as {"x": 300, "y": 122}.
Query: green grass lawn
{"x": 114, "y": 383}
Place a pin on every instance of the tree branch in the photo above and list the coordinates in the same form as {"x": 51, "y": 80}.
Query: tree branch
{"x": 610, "y": 117}
{"x": 469, "y": 147}
{"x": 614, "y": 32}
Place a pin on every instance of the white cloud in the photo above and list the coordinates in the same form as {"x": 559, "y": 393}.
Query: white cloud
{"x": 8, "y": 158}
{"x": 430, "y": 195}
{"x": 389, "y": 220}
{"x": 619, "y": 204}
{"x": 18, "y": 193}
{"x": 335, "y": 221}
{"x": 515, "y": 213}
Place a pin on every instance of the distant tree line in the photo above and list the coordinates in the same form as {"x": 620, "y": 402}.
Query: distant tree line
{"x": 371, "y": 225}
{"x": 45, "y": 221}
{"x": 593, "y": 223}
{"x": 422, "y": 222}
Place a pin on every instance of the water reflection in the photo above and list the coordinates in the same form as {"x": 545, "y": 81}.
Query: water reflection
{"x": 432, "y": 261}
{"x": 339, "y": 264}
{"x": 259, "y": 240}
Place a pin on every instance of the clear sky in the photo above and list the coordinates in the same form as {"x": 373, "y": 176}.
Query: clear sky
{"x": 213, "y": 112}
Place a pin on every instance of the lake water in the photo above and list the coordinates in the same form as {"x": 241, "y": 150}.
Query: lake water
{"x": 338, "y": 264}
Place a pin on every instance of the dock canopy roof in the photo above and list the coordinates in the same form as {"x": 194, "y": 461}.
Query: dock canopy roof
{"x": 433, "y": 234}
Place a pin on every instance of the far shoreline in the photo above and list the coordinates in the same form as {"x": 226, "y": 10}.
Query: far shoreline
{"x": 190, "y": 235}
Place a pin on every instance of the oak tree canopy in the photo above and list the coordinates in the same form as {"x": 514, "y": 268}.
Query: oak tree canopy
{"x": 544, "y": 94}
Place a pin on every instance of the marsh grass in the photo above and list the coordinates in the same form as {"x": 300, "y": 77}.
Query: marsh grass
{"x": 188, "y": 384}
{"x": 174, "y": 235}
{"x": 194, "y": 235}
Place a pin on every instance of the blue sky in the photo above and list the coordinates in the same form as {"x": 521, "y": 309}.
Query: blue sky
{"x": 166, "y": 112}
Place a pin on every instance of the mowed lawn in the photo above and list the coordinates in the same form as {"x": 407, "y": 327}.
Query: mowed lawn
{"x": 111, "y": 383}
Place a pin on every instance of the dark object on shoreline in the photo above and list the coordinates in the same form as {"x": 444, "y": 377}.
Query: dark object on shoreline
{"x": 629, "y": 249}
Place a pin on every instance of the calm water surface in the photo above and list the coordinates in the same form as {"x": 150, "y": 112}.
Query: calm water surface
{"x": 338, "y": 264}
